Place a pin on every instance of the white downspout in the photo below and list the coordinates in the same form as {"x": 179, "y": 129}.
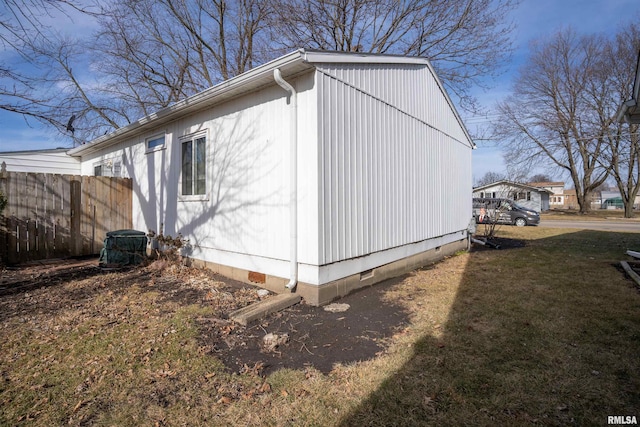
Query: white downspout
{"x": 293, "y": 196}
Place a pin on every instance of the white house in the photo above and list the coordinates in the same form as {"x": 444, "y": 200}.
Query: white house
{"x": 556, "y": 199}
{"x": 319, "y": 171}
{"x": 527, "y": 196}
{"x": 53, "y": 160}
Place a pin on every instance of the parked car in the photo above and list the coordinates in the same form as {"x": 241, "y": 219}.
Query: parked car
{"x": 503, "y": 211}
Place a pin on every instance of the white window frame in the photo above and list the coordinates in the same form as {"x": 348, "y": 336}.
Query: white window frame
{"x": 109, "y": 165}
{"x": 105, "y": 165}
{"x": 117, "y": 165}
{"x": 192, "y": 138}
{"x": 158, "y": 147}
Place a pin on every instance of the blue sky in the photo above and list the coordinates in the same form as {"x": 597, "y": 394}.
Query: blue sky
{"x": 536, "y": 19}
{"x": 533, "y": 19}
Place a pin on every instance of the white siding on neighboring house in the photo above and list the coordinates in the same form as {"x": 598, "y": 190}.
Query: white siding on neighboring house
{"x": 524, "y": 195}
{"x": 556, "y": 199}
{"x": 41, "y": 161}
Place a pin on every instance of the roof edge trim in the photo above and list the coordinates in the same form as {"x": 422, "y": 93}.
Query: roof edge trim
{"x": 174, "y": 109}
{"x": 335, "y": 57}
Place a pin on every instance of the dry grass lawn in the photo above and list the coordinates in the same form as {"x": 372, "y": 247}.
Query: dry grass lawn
{"x": 594, "y": 215}
{"x": 547, "y": 334}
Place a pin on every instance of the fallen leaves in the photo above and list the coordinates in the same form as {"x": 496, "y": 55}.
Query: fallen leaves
{"x": 119, "y": 329}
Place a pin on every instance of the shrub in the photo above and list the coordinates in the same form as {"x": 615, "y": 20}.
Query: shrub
{"x": 168, "y": 247}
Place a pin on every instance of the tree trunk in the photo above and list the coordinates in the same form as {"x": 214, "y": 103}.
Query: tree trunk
{"x": 584, "y": 201}
{"x": 628, "y": 209}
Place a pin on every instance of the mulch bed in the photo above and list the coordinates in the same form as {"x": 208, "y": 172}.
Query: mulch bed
{"x": 316, "y": 338}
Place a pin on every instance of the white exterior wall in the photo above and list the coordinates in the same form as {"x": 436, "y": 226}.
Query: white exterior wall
{"x": 41, "y": 161}
{"x": 244, "y": 222}
{"x": 395, "y": 165}
{"x": 384, "y": 173}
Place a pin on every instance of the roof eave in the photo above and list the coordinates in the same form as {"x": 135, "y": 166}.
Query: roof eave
{"x": 290, "y": 64}
{"x": 206, "y": 97}
{"x": 335, "y": 57}
{"x": 513, "y": 184}
{"x": 628, "y": 112}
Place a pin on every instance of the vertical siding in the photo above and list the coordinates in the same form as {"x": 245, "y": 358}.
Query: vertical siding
{"x": 424, "y": 99}
{"x": 387, "y": 177}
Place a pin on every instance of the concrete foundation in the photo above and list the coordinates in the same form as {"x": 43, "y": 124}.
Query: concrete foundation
{"x": 322, "y": 294}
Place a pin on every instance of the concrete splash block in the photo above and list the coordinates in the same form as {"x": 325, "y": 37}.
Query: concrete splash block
{"x": 258, "y": 310}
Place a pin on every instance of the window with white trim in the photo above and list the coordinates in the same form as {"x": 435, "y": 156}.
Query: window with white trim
{"x": 117, "y": 168}
{"x": 156, "y": 142}
{"x": 108, "y": 167}
{"x": 194, "y": 170}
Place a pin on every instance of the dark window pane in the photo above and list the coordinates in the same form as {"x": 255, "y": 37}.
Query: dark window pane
{"x": 200, "y": 166}
{"x": 187, "y": 168}
{"x": 156, "y": 142}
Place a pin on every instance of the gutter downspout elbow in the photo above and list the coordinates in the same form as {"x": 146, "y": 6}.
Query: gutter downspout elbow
{"x": 623, "y": 110}
{"x": 293, "y": 178}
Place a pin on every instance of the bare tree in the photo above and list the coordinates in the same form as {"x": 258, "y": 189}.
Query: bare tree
{"x": 615, "y": 82}
{"x": 162, "y": 51}
{"x": 41, "y": 83}
{"x": 540, "y": 177}
{"x": 148, "y": 54}
{"x": 465, "y": 40}
{"x": 489, "y": 178}
{"x": 20, "y": 27}
{"x": 145, "y": 56}
{"x": 552, "y": 115}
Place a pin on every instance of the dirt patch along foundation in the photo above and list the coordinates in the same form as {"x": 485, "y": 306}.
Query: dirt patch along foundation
{"x": 316, "y": 338}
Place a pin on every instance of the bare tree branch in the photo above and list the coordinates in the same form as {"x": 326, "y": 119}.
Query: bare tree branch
{"x": 562, "y": 111}
{"x": 465, "y": 40}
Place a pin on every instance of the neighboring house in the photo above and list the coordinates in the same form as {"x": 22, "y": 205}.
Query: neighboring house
{"x": 525, "y": 195}
{"x": 53, "y": 160}
{"x": 613, "y": 200}
{"x": 329, "y": 171}
{"x": 556, "y": 199}
{"x": 571, "y": 200}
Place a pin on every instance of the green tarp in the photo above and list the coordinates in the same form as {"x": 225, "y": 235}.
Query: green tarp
{"x": 123, "y": 247}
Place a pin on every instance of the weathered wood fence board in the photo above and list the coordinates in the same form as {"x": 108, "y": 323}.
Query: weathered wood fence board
{"x": 52, "y": 216}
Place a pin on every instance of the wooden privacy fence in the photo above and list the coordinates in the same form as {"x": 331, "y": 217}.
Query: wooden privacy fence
{"x": 52, "y": 216}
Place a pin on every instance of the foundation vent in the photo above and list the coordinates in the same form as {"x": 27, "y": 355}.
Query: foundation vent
{"x": 367, "y": 274}
{"x": 256, "y": 277}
